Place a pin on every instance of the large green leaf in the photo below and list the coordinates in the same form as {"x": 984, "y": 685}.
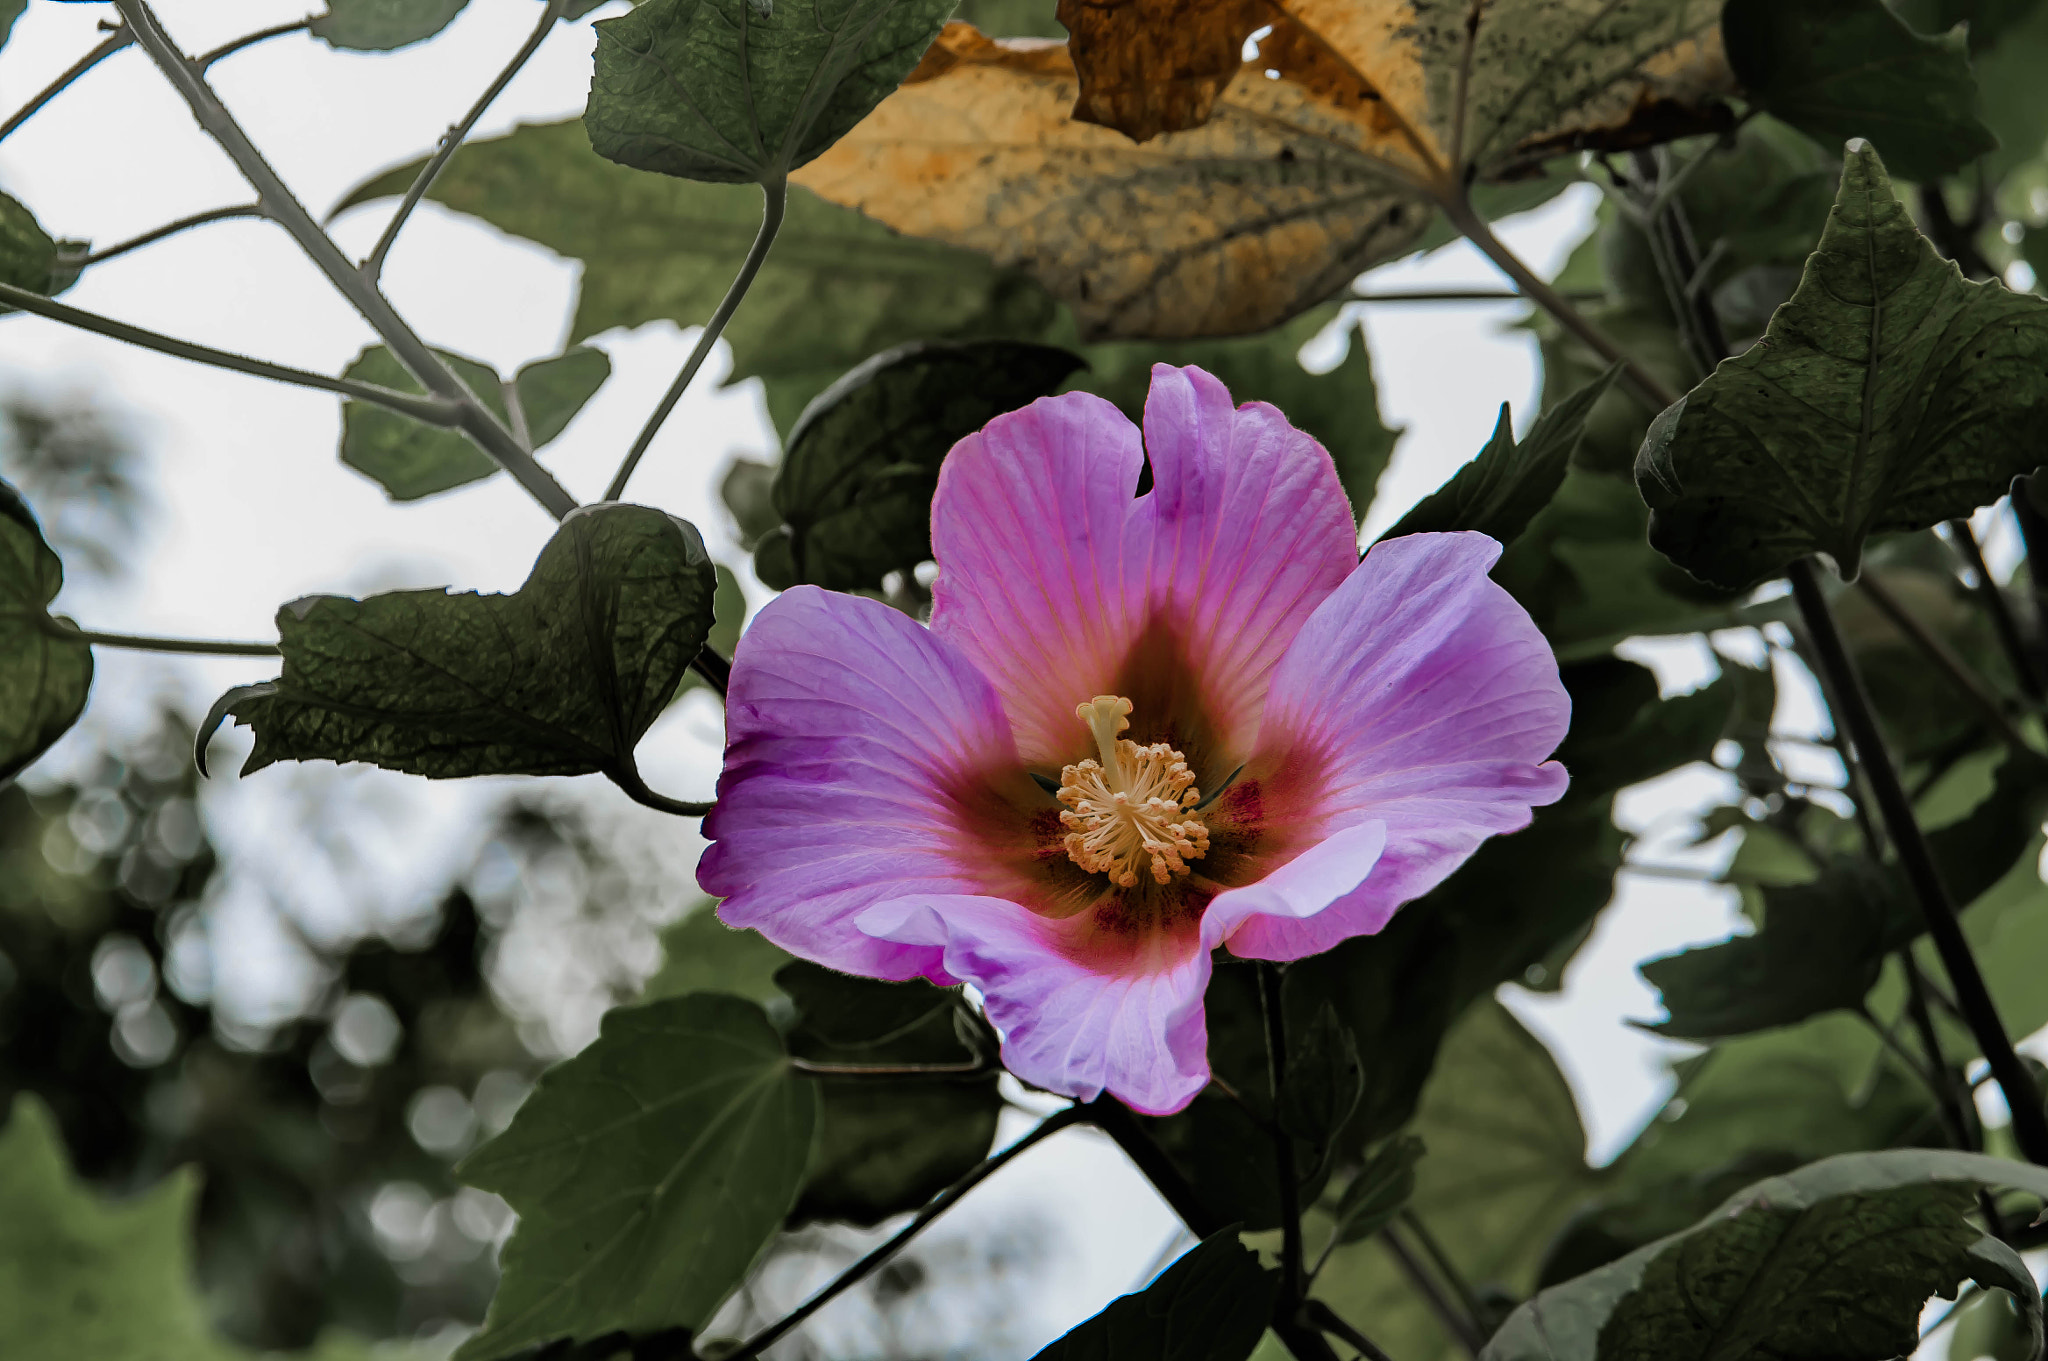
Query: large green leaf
{"x": 1888, "y": 394}
{"x": 410, "y": 459}
{"x": 1340, "y": 407}
{"x": 1835, "y": 1259}
{"x": 836, "y": 289}
{"x": 737, "y": 90}
{"x": 887, "y": 1145}
{"x": 1503, "y": 488}
{"x": 647, "y": 1172}
{"x": 855, "y": 488}
{"x": 700, "y": 953}
{"x": 1837, "y": 69}
{"x": 382, "y": 25}
{"x": 1211, "y": 1305}
{"x": 84, "y": 1277}
{"x": 561, "y": 677}
{"x": 44, "y": 676}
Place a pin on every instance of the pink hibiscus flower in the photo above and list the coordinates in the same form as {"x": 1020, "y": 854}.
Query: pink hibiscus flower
{"x": 1138, "y": 728}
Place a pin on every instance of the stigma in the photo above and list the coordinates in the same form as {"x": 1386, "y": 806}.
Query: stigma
{"x": 1132, "y": 810}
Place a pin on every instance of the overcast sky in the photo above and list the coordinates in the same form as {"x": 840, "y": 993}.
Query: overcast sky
{"x": 252, "y": 507}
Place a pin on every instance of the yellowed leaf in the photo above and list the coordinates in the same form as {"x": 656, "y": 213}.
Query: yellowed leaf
{"x": 1248, "y": 191}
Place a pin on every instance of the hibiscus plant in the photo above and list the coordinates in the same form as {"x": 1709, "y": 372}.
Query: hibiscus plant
{"x": 1085, "y": 766}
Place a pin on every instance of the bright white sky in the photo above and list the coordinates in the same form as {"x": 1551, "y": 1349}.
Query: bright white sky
{"x": 253, "y": 508}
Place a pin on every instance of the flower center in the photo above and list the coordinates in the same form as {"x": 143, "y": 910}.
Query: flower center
{"x": 1133, "y": 806}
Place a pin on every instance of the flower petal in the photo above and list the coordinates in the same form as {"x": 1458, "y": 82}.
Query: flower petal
{"x": 1420, "y": 694}
{"x": 1302, "y": 887}
{"x": 1140, "y": 1036}
{"x": 1055, "y": 581}
{"x": 850, "y": 732}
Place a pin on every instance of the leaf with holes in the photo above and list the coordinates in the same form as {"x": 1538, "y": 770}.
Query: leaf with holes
{"x": 44, "y": 675}
{"x": 1889, "y": 394}
{"x": 647, "y": 1173}
{"x": 562, "y": 677}
{"x": 736, "y": 90}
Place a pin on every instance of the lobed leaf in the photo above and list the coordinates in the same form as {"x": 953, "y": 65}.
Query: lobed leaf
{"x": 561, "y": 677}
{"x": 44, "y": 675}
{"x": 1888, "y": 394}
{"x": 647, "y": 1173}
{"x": 855, "y": 487}
{"x": 700, "y": 953}
{"x": 736, "y": 90}
{"x": 1211, "y": 1305}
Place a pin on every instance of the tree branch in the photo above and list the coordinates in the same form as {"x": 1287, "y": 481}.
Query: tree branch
{"x": 1980, "y": 1013}
{"x": 474, "y": 418}
{"x": 168, "y": 229}
{"x": 432, "y": 410}
{"x": 107, "y": 47}
{"x": 373, "y": 264}
{"x": 775, "y": 197}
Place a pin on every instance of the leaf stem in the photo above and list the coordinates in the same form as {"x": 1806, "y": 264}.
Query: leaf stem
{"x": 205, "y": 647}
{"x": 1463, "y": 1330}
{"x": 1464, "y": 295}
{"x": 629, "y": 781}
{"x": 1952, "y": 1096}
{"x": 373, "y": 264}
{"x": 474, "y": 419}
{"x": 1292, "y": 1288}
{"x": 712, "y": 665}
{"x": 168, "y": 229}
{"x": 1944, "y": 658}
{"x": 774, "y": 200}
{"x": 2034, "y": 534}
{"x": 936, "y": 1206}
{"x": 1330, "y": 1321}
{"x": 432, "y": 410}
{"x": 2029, "y": 1120}
{"x": 261, "y": 35}
{"x": 1113, "y": 1118}
{"x": 1965, "y": 540}
{"x": 107, "y": 47}
{"x": 1458, "y": 208}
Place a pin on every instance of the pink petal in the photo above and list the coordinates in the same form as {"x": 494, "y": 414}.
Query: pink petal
{"x": 850, "y": 731}
{"x": 1055, "y": 582}
{"x": 1302, "y": 887}
{"x": 1419, "y": 695}
{"x": 1139, "y": 1036}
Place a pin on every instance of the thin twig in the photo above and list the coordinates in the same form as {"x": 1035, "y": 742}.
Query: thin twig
{"x": 205, "y": 647}
{"x": 1441, "y": 1260}
{"x": 775, "y": 197}
{"x": 1468, "y": 221}
{"x": 1944, "y": 658}
{"x": 1463, "y": 1330}
{"x": 1321, "y": 1315}
{"x": 421, "y": 407}
{"x": 373, "y": 263}
{"x": 261, "y": 35}
{"x": 107, "y": 47}
{"x": 475, "y": 419}
{"x": 168, "y": 229}
{"x": 2029, "y": 1120}
{"x": 1953, "y": 1096}
{"x": 1965, "y": 540}
{"x": 938, "y": 1205}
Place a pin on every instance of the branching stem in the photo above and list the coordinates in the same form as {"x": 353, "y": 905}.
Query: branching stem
{"x": 775, "y": 198}
{"x": 433, "y": 410}
{"x": 373, "y": 264}
{"x": 107, "y": 47}
{"x": 475, "y": 419}
{"x": 149, "y": 238}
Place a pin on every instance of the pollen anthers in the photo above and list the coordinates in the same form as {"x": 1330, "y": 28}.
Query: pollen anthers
{"x": 1132, "y": 806}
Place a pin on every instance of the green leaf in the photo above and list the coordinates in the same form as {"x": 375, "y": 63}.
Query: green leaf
{"x": 647, "y": 1173}
{"x": 887, "y": 1145}
{"x": 1821, "y": 948}
{"x": 10, "y": 10}
{"x": 1835, "y": 1259}
{"x": 1324, "y": 1080}
{"x": 560, "y": 678}
{"x": 748, "y": 490}
{"x": 855, "y": 488}
{"x": 736, "y": 90}
{"x": 1211, "y": 1305}
{"x": 1889, "y": 394}
{"x": 29, "y": 256}
{"x": 81, "y": 1276}
{"x": 1012, "y": 18}
{"x": 44, "y": 676}
{"x": 382, "y": 25}
{"x": 410, "y": 459}
{"x": 1837, "y": 69}
{"x": 728, "y": 620}
{"x": 1380, "y": 1191}
{"x": 836, "y": 289}
{"x": 700, "y": 953}
{"x": 552, "y": 391}
{"x": 1340, "y": 407}
{"x": 1501, "y": 490}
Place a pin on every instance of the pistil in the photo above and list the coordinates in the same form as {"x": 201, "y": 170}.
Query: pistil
{"x": 1132, "y": 809}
